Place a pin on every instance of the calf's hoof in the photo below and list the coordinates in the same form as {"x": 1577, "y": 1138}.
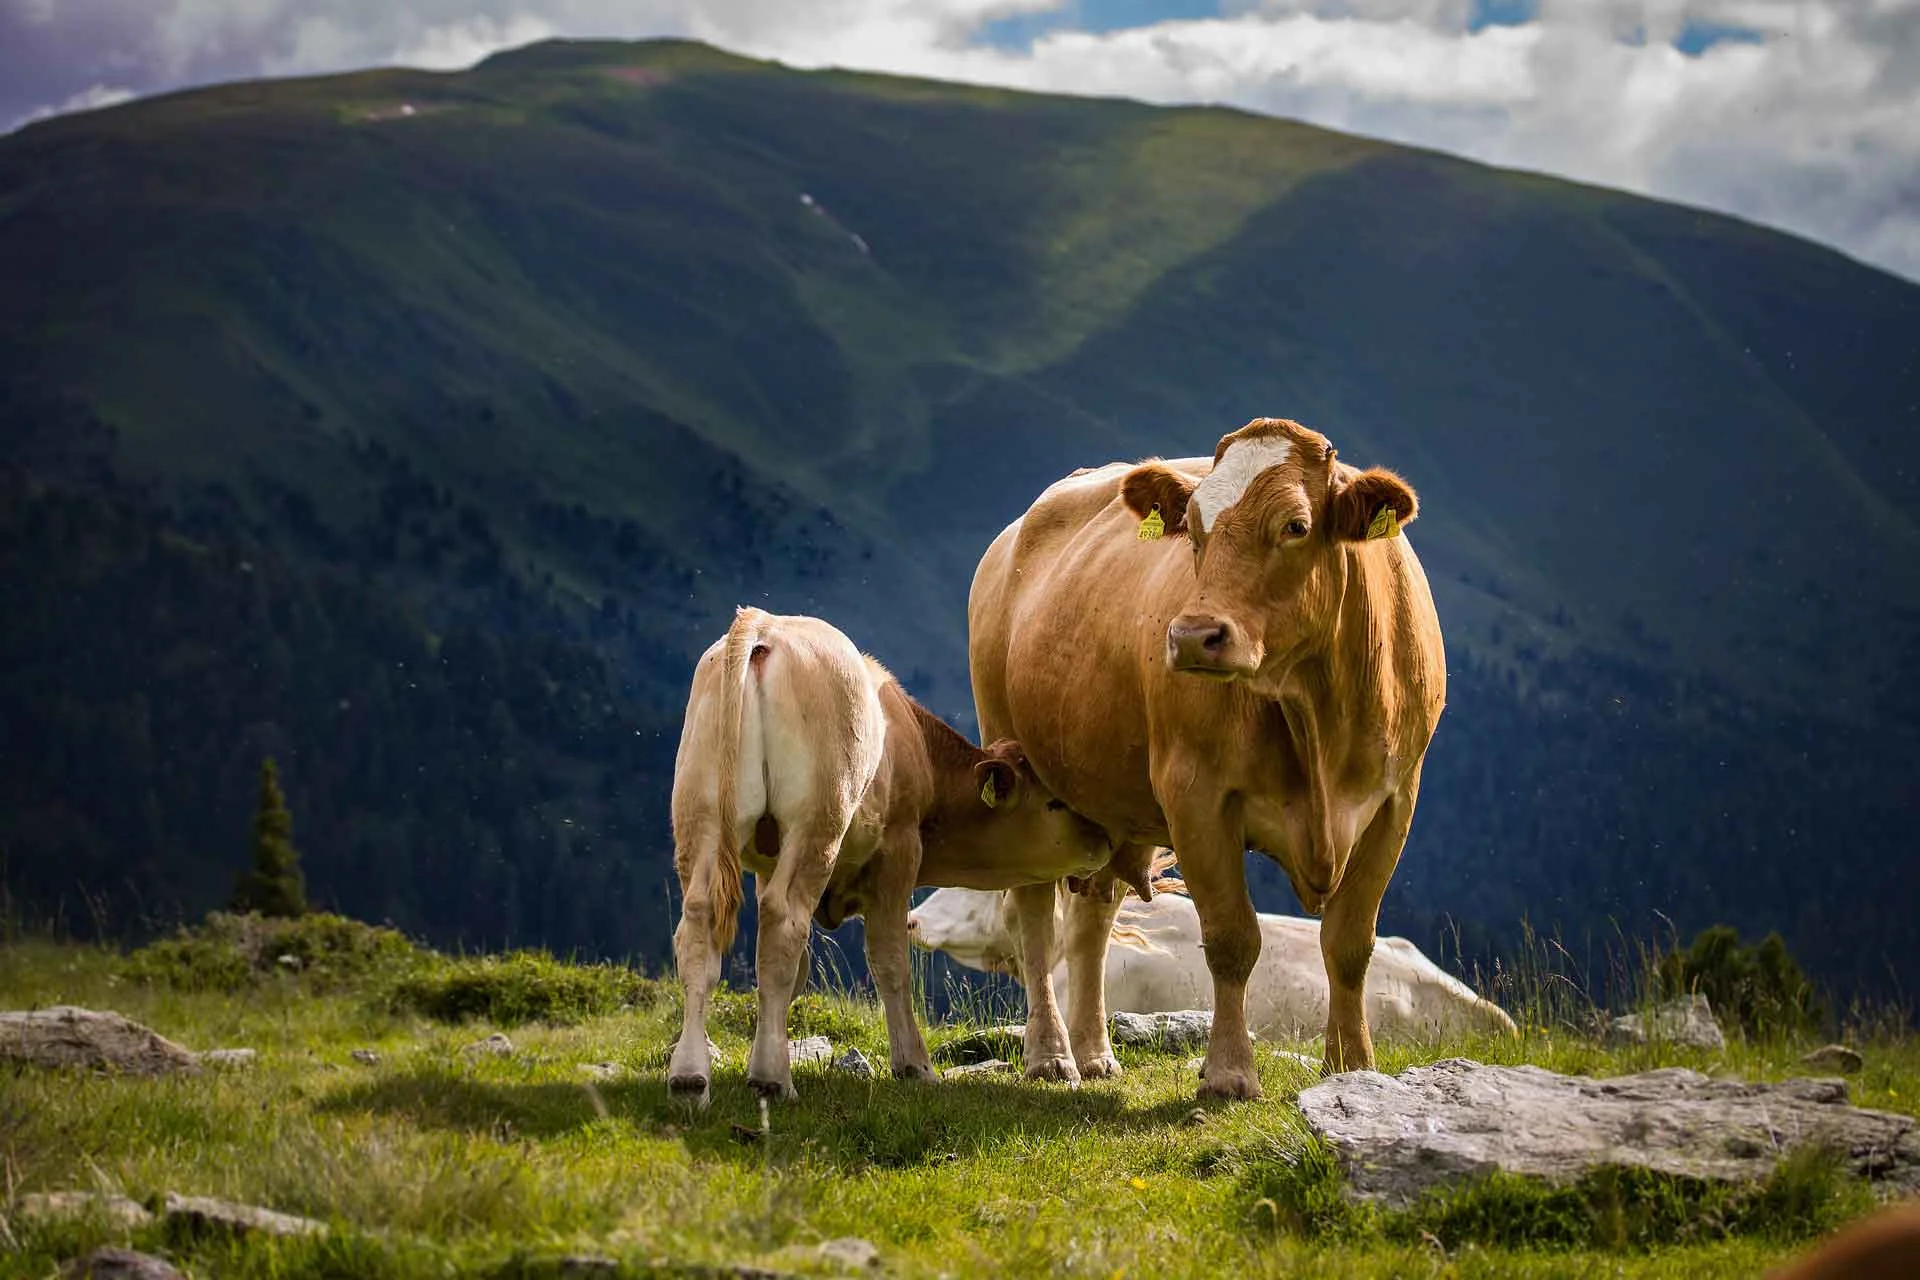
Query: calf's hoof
{"x": 913, "y": 1071}
{"x": 1229, "y": 1082}
{"x": 1059, "y": 1068}
{"x": 776, "y": 1090}
{"x": 1104, "y": 1067}
{"x": 690, "y": 1089}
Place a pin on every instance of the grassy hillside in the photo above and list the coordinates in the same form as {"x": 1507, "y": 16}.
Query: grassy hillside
{"x": 435, "y": 1160}
{"x": 580, "y": 348}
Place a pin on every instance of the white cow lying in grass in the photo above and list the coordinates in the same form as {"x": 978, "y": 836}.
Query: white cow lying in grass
{"x": 1155, "y": 964}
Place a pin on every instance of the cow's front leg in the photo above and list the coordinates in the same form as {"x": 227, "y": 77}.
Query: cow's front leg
{"x": 1089, "y": 933}
{"x": 1047, "y": 1052}
{"x": 888, "y": 901}
{"x": 1213, "y": 863}
{"x": 1347, "y": 930}
{"x": 698, "y": 961}
{"x": 787, "y": 900}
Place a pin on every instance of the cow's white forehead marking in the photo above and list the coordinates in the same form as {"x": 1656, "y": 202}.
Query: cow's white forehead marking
{"x": 1244, "y": 460}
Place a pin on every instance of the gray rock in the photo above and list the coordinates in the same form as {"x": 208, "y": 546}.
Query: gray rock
{"x": 365, "y": 1057}
{"x": 119, "y": 1210}
{"x": 1685, "y": 1021}
{"x": 63, "y": 1036}
{"x": 230, "y": 1057}
{"x": 1306, "y": 1060}
{"x": 1178, "y": 1032}
{"x": 854, "y": 1062}
{"x": 496, "y": 1045}
{"x": 603, "y": 1070}
{"x": 119, "y": 1264}
{"x": 987, "y": 1043}
{"x": 1398, "y": 1136}
{"x": 1834, "y": 1057}
{"x": 850, "y": 1253}
{"x": 991, "y": 1067}
{"x": 288, "y": 962}
{"x": 202, "y": 1214}
{"x": 811, "y": 1049}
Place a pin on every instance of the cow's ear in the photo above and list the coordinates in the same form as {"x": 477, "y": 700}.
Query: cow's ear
{"x": 998, "y": 776}
{"x": 1369, "y": 504}
{"x": 1156, "y": 486}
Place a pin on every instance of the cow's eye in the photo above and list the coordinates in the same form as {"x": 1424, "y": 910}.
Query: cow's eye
{"x": 1296, "y": 528}
{"x": 1054, "y": 806}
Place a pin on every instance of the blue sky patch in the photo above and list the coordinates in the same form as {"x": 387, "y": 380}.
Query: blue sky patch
{"x": 1502, "y": 13}
{"x": 1019, "y": 31}
{"x": 1697, "y": 37}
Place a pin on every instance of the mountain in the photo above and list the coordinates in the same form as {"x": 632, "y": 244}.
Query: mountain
{"x": 421, "y": 429}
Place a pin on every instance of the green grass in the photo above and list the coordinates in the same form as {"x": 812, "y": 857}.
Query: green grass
{"x": 437, "y": 1162}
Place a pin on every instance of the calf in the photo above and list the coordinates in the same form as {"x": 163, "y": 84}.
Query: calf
{"x": 804, "y": 761}
{"x": 1155, "y": 963}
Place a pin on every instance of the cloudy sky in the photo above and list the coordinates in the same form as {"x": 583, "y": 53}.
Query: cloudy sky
{"x": 1802, "y": 114}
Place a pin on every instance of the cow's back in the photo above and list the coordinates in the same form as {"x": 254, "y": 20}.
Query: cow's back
{"x": 1068, "y": 607}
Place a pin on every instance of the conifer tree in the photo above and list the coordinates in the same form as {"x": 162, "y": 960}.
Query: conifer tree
{"x": 274, "y": 887}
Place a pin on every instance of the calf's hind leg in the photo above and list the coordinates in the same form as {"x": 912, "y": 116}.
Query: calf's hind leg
{"x": 787, "y": 901}
{"x": 698, "y": 961}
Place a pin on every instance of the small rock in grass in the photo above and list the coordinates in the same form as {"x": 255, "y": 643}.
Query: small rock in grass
{"x": 201, "y": 1213}
{"x": 1196, "y": 1064}
{"x": 1184, "y": 1029}
{"x": 119, "y": 1210}
{"x": 1834, "y": 1057}
{"x": 1197, "y": 1117}
{"x": 497, "y": 1045}
{"x": 1686, "y": 1021}
{"x": 850, "y": 1252}
{"x": 811, "y": 1049}
{"x": 855, "y": 1063}
{"x": 991, "y": 1067}
{"x": 229, "y": 1057}
{"x": 1308, "y": 1061}
{"x": 603, "y": 1070}
{"x": 119, "y": 1264}
{"x": 288, "y": 962}
{"x": 64, "y": 1036}
{"x": 365, "y": 1057}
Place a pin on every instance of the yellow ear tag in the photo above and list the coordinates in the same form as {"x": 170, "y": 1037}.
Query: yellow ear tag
{"x": 1386, "y": 524}
{"x": 989, "y": 793}
{"x": 1152, "y": 526}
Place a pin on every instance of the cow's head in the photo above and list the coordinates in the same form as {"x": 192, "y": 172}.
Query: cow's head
{"x": 1266, "y": 527}
{"x": 974, "y": 926}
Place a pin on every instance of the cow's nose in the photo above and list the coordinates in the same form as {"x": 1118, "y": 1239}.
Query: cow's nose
{"x": 1197, "y": 642}
{"x": 913, "y": 928}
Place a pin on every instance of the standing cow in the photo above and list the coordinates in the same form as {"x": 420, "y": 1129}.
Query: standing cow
{"x": 1214, "y": 654}
{"x": 804, "y": 761}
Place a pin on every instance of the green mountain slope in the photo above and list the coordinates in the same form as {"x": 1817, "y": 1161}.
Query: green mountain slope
{"x": 617, "y": 336}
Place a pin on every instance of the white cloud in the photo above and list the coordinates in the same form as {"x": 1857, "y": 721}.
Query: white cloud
{"x": 89, "y": 99}
{"x": 1814, "y": 127}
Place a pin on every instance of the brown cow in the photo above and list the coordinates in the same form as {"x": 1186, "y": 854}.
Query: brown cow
{"x": 1214, "y": 654}
{"x": 1884, "y": 1245}
{"x": 806, "y": 762}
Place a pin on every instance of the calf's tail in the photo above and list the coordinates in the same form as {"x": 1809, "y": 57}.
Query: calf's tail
{"x": 736, "y": 670}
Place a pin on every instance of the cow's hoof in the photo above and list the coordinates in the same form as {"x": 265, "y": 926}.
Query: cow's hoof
{"x": 777, "y": 1090}
{"x": 1228, "y": 1082}
{"x": 1060, "y": 1068}
{"x": 914, "y": 1071}
{"x": 1104, "y": 1067}
{"x": 690, "y": 1089}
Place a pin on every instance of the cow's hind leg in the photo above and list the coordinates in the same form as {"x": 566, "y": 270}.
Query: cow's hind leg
{"x": 1089, "y": 934}
{"x": 698, "y": 961}
{"x": 886, "y": 918}
{"x": 787, "y": 901}
{"x": 1047, "y": 1050}
{"x": 1348, "y": 926}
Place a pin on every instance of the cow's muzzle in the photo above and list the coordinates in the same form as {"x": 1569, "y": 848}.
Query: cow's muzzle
{"x": 1205, "y": 645}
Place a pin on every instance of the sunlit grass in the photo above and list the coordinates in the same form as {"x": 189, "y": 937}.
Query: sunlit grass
{"x": 437, "y": 1161}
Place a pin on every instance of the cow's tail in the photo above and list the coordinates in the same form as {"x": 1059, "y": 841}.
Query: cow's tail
{"x": 735, "y": 672}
